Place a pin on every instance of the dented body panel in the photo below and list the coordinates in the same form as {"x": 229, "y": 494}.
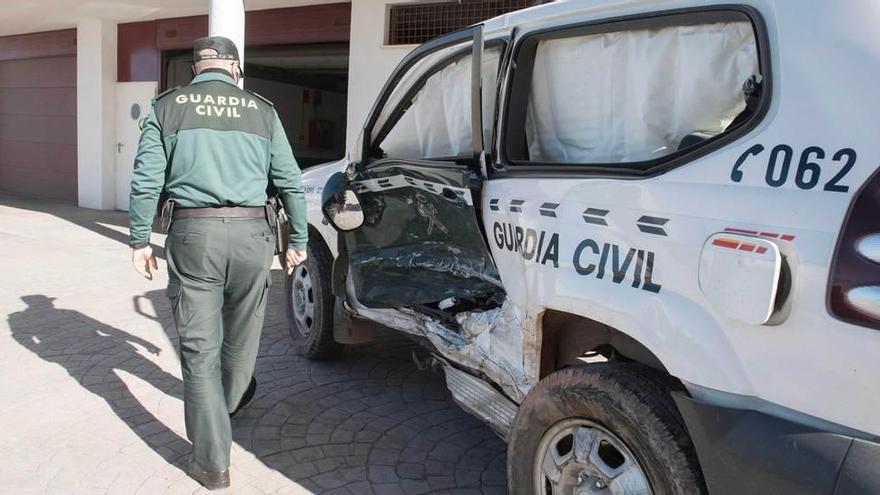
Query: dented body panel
{"x": 627, "y": 252}
{"x": 421, "y": 241}
{"x": 489, "y": 345}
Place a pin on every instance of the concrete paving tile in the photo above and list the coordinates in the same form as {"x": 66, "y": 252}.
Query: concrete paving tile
{"x": 411, "y": 471}
{"x": 361, "y": 488}
{"x": 387, "y": 489}
{"x": 384, "y": 457}
{"x": 382, "y": 474}
{"x": 340, "y": 491}
{"x": 328, "y": 481}
{"x": 332, "y": 464}
{"x": 414, "y": 487}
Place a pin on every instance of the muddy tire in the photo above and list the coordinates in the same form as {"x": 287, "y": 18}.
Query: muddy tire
{"x": 612, "y": 426}
{"x": 310, "y": 305}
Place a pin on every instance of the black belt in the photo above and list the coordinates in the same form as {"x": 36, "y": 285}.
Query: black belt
{"x": 220, "y": 212}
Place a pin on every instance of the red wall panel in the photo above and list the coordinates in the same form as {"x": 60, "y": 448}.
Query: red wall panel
{"x": 138, "y": 56}
{"x": 329, "y": 23}
{"x": 35, "y": 45}
{"x": 141, "y": 43}
{"x": 179, "y": 33}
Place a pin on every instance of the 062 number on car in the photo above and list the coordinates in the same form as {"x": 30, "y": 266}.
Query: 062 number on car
{"x": 809, "y": 167}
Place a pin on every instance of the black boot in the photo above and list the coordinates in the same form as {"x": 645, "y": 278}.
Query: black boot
{"x": 212, "y": 480}
{"x": 246, "y": 398}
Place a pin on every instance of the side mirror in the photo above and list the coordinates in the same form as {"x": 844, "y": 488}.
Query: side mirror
{"x": 341, "y": 205}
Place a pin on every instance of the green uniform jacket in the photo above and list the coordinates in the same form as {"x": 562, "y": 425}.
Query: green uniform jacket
{"x": 213, "y": 144}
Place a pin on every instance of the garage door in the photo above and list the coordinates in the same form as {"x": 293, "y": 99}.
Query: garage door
{"x": 38, "y": 127}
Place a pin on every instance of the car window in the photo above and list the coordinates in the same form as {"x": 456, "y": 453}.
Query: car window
{"x": 410, "y": 78}
{"x": 629, "y": 96}
{"x": 436, "y": 121}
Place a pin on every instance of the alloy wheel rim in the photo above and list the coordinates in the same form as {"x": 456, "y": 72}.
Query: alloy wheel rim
{"x": 303, "y": 300}
{"x": 579, "y": 457}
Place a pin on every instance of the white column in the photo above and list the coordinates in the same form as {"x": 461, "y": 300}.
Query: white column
{"x": 95, "y": 117}
{"x": 226, "y": 18}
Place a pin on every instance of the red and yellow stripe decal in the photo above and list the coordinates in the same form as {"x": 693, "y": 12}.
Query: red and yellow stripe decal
{"x": 741, "y": 246}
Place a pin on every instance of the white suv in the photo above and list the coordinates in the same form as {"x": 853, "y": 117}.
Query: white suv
{"x": 642, "y": 238}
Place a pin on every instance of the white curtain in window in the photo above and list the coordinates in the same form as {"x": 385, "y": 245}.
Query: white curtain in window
{"x": 417, "y": 70}
{"x": 633, "y": 95}
{"x": 438, "y": 123}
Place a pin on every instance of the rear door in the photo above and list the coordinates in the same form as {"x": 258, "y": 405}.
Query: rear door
{"x": 419, "y": 181}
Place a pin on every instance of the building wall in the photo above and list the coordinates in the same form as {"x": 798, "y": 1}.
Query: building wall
{"x": 138, "y": 57}
{"x": 371, "y": 60}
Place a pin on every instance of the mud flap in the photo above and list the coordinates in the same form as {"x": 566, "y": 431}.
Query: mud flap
{"x": 351, "y": 330}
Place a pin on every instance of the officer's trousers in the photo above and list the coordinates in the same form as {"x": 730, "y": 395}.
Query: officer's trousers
{"x": 218, "y": 272}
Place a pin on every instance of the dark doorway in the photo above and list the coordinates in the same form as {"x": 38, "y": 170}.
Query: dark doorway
{"x": 308, "y": 85}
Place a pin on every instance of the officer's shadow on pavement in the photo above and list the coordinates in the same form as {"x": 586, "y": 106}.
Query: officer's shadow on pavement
{"x": 376, "y": 402}
{"x": 92, "y": 353}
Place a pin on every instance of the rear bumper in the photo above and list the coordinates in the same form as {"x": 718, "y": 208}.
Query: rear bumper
{"x": 749, "y": 452}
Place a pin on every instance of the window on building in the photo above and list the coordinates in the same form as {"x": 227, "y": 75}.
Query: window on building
{"x": 629, "y": 98}
{"x": 418, "y": 23}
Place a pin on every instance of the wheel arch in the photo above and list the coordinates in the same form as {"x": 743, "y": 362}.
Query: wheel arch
{"x": 318, "y": 234}
{"x": 323, "y": 232}
{"x": 566, "y": 337}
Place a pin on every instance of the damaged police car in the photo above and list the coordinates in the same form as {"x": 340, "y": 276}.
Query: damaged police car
{"x": 641, "y": 238}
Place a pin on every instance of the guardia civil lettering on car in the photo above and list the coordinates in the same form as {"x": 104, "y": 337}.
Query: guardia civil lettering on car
{"x": 641, "y": 238}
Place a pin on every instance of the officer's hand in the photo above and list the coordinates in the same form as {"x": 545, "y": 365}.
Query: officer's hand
{"x": 144, "y": 262}
{"x": 293, "y": 257}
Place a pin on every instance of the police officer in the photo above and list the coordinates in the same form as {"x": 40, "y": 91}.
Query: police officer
{"x": 213, "y": 147}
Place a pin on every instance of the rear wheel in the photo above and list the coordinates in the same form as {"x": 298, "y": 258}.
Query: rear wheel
{"x": 310, "y": 305}
{"x": 602, "y": 429}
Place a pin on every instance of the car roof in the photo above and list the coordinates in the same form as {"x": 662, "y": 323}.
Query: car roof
{"x": 553, "y": 9}
{"x": 562, "y": 9}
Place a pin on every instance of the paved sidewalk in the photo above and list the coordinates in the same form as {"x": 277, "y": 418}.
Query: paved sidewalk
{"x": 90, "y": 386}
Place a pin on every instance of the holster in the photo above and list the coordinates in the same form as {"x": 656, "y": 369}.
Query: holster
{"x": 277, "y": 219}
{"x": 167, "y": 215}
